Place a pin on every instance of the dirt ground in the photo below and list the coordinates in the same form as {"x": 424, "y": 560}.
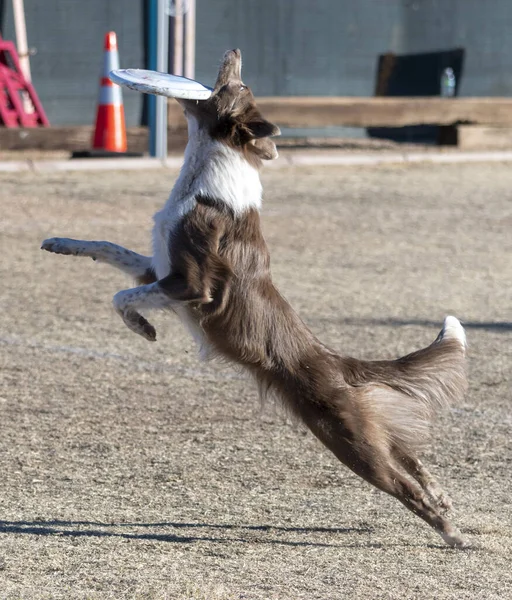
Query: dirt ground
{"x": 131, "y": 470}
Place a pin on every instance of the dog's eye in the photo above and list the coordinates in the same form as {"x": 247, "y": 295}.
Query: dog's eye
{"x": 243, "y": 87}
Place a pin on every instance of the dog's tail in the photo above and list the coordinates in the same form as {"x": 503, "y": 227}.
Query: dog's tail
{"x": 405, "y": 394}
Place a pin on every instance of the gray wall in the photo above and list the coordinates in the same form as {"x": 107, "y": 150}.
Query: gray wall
{"x": 300, "y": 47}
{"x": 68, "y": 36}
{"x": 482, "y": 27}
{"x": 291, "y": 47}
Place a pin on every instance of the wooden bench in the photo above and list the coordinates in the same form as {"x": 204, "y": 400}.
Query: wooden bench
{"x": 481, "y": 122}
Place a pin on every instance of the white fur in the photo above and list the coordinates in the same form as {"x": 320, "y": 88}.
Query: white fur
{"x": 452, "y": 329}
{"x": 146, "y": 296}
{"x": 195, "y": 330}
{"x": 129, "y": 262}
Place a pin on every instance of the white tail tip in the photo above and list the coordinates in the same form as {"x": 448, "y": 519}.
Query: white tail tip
{"x": 453, "y": 330}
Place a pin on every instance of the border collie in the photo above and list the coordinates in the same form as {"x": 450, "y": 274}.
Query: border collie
{"x": 211, "y": 266}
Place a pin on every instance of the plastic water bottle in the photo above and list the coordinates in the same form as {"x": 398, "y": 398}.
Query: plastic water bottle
{"x": 448, "y": 83}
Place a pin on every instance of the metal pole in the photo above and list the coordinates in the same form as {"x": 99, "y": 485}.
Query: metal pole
{"x": 151, "y": 65}
{"x": 178, "y": 38}
{"x": 21, "y": 37}
{"x": 190, "y": 40}
{"x": 20, "y": 27}
{"x": 162, "y": 53}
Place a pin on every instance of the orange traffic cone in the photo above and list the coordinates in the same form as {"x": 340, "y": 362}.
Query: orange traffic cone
{"x": 109, "y": 138}
{"x": 110, "y": 130}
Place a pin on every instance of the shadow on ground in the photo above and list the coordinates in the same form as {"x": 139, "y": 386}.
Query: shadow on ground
{"x": 498, "y": 326}
{"x": 97, "y": 529}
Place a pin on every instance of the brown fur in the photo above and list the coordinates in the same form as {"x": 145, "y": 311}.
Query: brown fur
{"x": 222, "y": 262}
{"x": 371, "y": 415}
{"x": 149, "y": 276}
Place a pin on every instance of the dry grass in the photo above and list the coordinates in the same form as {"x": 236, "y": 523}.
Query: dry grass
{"x": 130, "y": 470}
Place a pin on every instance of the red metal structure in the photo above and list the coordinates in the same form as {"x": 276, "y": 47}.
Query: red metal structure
{"x": 13, "y": 85}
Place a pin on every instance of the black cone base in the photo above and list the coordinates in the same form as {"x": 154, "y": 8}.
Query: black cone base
{"x": 98, "y": 153}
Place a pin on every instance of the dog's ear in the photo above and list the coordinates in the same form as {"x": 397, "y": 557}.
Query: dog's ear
{"x": 264, "y": 148}
{"x": 260, "y": 128}
{"x": 258, "y": 132}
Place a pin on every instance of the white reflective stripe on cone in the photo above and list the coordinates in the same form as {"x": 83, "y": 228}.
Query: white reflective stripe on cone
{"x": 110, "y": 61}
{"x": 110, "y": 94}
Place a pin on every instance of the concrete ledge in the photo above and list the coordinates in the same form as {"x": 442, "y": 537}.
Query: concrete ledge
{"x": 11, "y": 166}
{"x": 327, "y": 158}
{"x": 96, "y": 164}
{"x": 286, "y": 159}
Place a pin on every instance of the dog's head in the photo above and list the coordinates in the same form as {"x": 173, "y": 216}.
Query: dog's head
{"x": 231, "y": 116}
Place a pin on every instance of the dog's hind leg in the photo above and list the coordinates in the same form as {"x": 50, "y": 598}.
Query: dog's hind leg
{"x": 415, "y": 499}
{"x": 422, "y": 475}
{"x": 363, "y": 446}
{"x": 380, "y": 472}
{"x": 133, "y": 264}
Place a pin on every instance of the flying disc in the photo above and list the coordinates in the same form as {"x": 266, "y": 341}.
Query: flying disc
{"x": 161, "y": 84}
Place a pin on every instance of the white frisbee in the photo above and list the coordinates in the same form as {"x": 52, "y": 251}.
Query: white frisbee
{"x": 161, "y": 84}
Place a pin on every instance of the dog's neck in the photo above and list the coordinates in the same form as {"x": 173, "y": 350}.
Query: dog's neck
{"x": 213, "y": 169}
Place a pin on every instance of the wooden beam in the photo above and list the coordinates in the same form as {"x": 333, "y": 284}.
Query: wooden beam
{"x": 304, "y": 112}
{"x": 79, "y": 138}
{"x": 318, "y": 111}
{"x": 479, "y": 137}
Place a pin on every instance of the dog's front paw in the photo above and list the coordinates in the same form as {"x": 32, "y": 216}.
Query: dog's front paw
{"x": 137, "y": 323}
{"x": 123, "y": 302}
{"x": 59, "y": 246}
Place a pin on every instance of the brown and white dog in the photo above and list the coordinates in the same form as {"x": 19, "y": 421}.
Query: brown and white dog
{"x": 211, "y": 266}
